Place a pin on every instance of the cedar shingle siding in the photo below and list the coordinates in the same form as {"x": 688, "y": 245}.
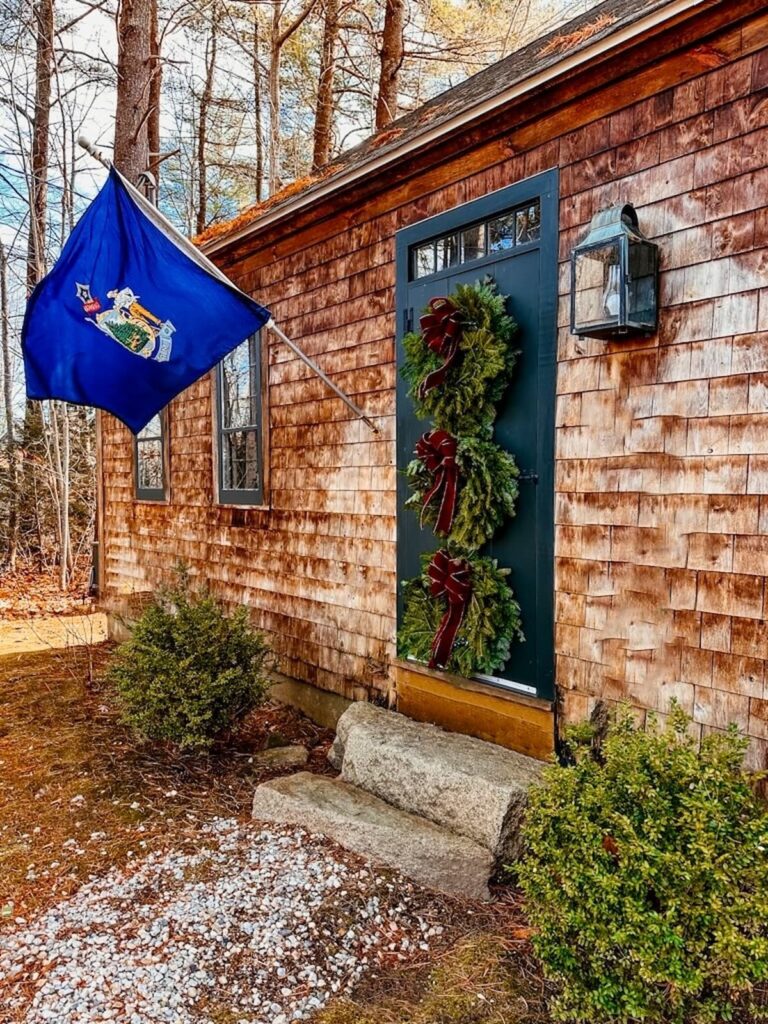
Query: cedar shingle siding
{"x": 662, "y": 491}
{"x": 662, "y": 446}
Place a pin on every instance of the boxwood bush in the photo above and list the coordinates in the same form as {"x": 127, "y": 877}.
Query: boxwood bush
{"x": 646, "y": 877}
{"x": 189, "y": 672}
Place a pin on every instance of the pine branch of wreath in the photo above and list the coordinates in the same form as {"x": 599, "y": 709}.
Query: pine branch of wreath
{"x": 487, "y": 492}
{"x": 465, "y": 402}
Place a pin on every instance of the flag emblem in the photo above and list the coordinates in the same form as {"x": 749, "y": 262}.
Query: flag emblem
{"x": 129, "y": 323}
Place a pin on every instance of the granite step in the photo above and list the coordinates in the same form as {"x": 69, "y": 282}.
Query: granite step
{"x": 431, "y": 855}
{"x": 467, "y": 786}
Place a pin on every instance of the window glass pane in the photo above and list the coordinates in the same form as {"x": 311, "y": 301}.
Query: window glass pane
{"x": 447, "y": 251}
{"x": 152, "y": 429}
{"x": 240, "y": 423}
{"x": 528, "y": 224}
{"x": 501, "y": 233}
{"x": 240, "y": 460}
{"x": 473, "y": 243}
{"x": 424, "y": 260}
{"x": 239, "y": 391}
{"x": 150, "y": 464}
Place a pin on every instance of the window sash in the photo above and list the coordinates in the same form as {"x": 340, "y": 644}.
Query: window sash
{"x": 227, "y": 493}
{"x": 512, "y": 229}
{"x": 141, "y": 491}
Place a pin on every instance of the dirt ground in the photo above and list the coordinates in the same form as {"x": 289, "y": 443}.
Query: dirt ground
{"x": 69, "y": 769}
{"x": 80, "y": 796}
{"x": 52, "y": 632}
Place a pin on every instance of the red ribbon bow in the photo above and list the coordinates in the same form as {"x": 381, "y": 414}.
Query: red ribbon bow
{"x": 441, "y": 328}
{"x": 450, "y": 578}
{"x": 437, "y": 450}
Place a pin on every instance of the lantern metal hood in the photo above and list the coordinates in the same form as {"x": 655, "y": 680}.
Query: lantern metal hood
{"x": 614, "y": 278}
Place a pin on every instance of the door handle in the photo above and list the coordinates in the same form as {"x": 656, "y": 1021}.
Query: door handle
{"x": 528, "y": 477}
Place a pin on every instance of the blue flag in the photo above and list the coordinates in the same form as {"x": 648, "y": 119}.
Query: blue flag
{"x": 131, "y": 313}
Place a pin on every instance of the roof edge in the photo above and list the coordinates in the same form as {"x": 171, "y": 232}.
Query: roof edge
{"x": 378, "y": 161}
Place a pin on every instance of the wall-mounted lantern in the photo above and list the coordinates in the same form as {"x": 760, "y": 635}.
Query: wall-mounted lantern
{"x": 614, "y": 278}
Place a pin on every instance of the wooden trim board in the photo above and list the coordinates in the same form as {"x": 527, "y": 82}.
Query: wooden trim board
{"x": 525, "y": 724}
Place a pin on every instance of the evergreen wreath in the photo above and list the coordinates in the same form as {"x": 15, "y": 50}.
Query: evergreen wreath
{"x": 490, "y": 623}
{"x": 487, "y": 492}
{"x": 479, "y": 367}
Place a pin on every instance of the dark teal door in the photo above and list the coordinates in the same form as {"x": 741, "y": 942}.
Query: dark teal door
{"x": 511, "y": 236}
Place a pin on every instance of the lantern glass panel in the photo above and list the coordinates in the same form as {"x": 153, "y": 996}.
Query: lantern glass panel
{"x": 597, "y": 282}
{"x": 641, "y": 289}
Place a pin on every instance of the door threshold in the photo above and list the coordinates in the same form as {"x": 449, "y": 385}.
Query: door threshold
{"x": 474, "y": 707}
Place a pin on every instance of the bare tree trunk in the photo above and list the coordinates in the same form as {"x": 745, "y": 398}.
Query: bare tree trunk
{"x": 65, "y": 179}
{"x": 53, "y": 458}
{"x": 67, "y": 167}
{"x": 258, "y": 127}
{"x": 325, "y": 98}
{"x": 38, "y": 192}
{"x": 67, "y": 561}
{"x": 275, "y": 47}
{"x": 277, "y": 40}
{"x": 202, "y": 131}
{"x": 10, "y": 440}
{"x": 155, "y": 96}
{"x": 38, "y": 209}
{"x": 134, "y": 72}
{"x": 70, "y": 184}
{"x": 59, "y": 458}
{"x": 391, "y": 62}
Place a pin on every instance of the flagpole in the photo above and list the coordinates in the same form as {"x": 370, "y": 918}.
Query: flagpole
{"x": 321, "y": 374}
{"x": 195, "y": 254}
{"x": 89, "y": 147}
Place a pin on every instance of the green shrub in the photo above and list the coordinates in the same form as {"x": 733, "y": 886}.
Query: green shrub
{"x": 646, "y": 880}
{"x": 188, "y": 672}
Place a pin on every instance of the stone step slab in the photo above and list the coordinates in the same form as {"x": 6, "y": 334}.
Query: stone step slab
{"x": 361, "y": 822}
{"x": 476, "y": 789}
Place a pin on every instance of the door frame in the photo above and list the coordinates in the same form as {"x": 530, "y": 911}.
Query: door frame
{"x": 545, "y": 187}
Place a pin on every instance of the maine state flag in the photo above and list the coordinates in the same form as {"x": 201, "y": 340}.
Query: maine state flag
{"x": 131, "y": 313}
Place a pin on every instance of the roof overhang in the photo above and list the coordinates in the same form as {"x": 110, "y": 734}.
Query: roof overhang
{"x": 377, "y": 162}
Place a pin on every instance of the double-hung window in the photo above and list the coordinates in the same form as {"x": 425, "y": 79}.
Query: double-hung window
{"x": 149, "y": 456}
{"x": 239, "y": 425}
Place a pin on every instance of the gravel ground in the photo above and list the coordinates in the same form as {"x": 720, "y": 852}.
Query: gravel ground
{"x": 245, "y": 926}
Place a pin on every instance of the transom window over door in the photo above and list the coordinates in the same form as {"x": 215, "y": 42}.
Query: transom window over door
{"x": 240, "y": 440}
{"x": 514, "y": 228}
{"x": 149, "y": 450}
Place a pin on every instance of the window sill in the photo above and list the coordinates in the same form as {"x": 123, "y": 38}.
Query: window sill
{"x": 244, "y": 506}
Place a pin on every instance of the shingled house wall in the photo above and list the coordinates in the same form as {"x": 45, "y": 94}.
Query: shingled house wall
{"x": 662, "y": 446}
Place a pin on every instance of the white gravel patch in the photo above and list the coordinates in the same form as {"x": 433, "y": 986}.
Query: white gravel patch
{"x": 266, "y": 924}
